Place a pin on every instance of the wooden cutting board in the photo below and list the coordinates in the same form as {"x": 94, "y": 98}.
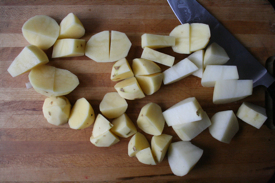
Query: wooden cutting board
{"x": 33, "y": 150}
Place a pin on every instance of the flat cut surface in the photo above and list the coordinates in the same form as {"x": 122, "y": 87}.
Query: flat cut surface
{"x": 33, "y": 150}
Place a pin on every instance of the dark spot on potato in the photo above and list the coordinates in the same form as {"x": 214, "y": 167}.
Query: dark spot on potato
{"x": 134, "y": 148}
{"x": 117, "y": 67}
{"x": 50, "y": 113}
{"x": 121, "y": 89}
{"x": 52, "y": 102}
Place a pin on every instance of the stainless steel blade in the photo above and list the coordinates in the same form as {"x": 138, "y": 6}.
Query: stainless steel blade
{"x": 190, "y": 11}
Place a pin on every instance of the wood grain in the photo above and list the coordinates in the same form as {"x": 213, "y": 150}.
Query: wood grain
{"x": 33, "y": 150}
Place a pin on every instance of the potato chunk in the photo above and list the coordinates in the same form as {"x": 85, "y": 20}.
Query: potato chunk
{"x": 158, "y": 57}
{"x": 145, "y": 156}
{"x": 137, "y": 143}
{"x": 68, "y": 48}
{"x": 150, "y": 83}
{"x": 123, "y": 126}
{"x": 104, "y": 140}
{"x": 160, "y": 146}
{"x": 157, "y": 41}
{"x": 144, "y": 67}
{"x": 121, "y": 70}
{"x": 101, "y": 126}
{"x": 71, "y": 27}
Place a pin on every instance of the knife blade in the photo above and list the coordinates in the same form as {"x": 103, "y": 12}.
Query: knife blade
{"x": 190, "y": 11}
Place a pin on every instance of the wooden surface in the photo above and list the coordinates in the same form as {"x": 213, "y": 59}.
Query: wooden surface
{"x": 33, "y": 150}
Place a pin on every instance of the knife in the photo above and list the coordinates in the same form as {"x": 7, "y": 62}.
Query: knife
{"x": 190, "y": 11}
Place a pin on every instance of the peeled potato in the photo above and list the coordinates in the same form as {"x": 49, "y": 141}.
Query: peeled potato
{"x": 41, "y": 31}
{"x": 71, "y": 27}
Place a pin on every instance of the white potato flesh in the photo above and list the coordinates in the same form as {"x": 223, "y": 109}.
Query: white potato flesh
{"x": 182, "y": 35}
{"x": 226, "y": 91}
{"x": 129, "y": 89}
{"x": 30, "y": 57}
{"x": 41, "y": 31}
{"x": 101, "y": 125}
{"x": 144, "y": 67}
{"x": 160, "y": 146}
{"x": 156, "y": 41}
{"x": 224, "y": 126}
{"x": 98, "y": 47}
{"x": 186, "y": 111}
{"x": 145, "y": 156}
{"x": 252, "y": 114}
{"x": 71, "y": 27}
{"x": 106, "y": 139}
{"x": 215, "y": 55}
{"x": 150, "y": 83}
{"x": 68, "y": 48}
{"x": 82, "y": 115}
{"x": 157, "y": 57}
{"x": 123, "y": 126}
{"x": 200, "y": 36}
{"x": 179, "y": 71}
{"x": 113, "y": 105}
{"x": 188, "y": 131}
{"x": 197, "y": 59}
{"x": 183, "y": 156}
{"x": 212, "y": 73}
{"x": 121, "y": 70}
{"x": 56, "y": 110}
{"x": 151, "y": 119}
{"x": 137, "y": 143}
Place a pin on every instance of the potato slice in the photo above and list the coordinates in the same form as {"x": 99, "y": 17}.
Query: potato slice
{"x": 30, "y": 57}
{"x": 144, "y": 67}
{"x": 129, "y": 89}
{"x": 68, "y": 48}
{"x": 197, "y": 59}
{"x": 106, "y": 139}
{"x": 41, "y": 31}
{"x": 150, "y": 83}
{"x": 97, "y": 48}
{"x": 158, "y": 57}
{"x": 123, "y": 126}
{"x": 156, "y": 41}
{"x": 71, "y": 27}
{"x": 82, "y": 115}
{"x": 56, "y": 110}
{"x": 215, "y": 55}
{"x": 182, "y": 35}
{"x": 121, "y": 70}
{"x": 145, "y": 156}
{"x": 101, "y": 126}
{"x": 120, "y": 46}
{"x": 200, "y": 36}
{"x": 160, "y": 146}
{"x": 137, "y": 143}
{"x": 150, "y": 119}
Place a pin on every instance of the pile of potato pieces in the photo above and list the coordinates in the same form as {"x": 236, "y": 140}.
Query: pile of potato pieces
{"x": 144, "y": 77}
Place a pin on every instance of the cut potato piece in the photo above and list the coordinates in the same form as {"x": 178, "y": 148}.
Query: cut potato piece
{"x": 56, "y": 110}
{"x": 182, "y": 35}
{"x": 30, "y": 57}
{"x": 41, "y": 31}
{"x": 213, "y": 73}
{"x": 144, "y": 67}
{"x": 121, "y": 70}
{"x": 182, "y": 157}
{"x": 158, "y": 57}
{"x": 129, "y": 89}
{"x": 197, "y": 59}
{"x": 252, "y": 114}
{"x": 42, "y": 79}
{"x": 179, "y": 71}
{"x": 186, "y": 111}
{"x": 150, "y": 83}
{"x": 224, "y": 126}
{"x": 68, "y": 48}
{"x": 188, "y": 131}
{"x": 97, "y": 48}
{"x": 156, "y": 41}
{"x": 226, "y": 91}
{"x": 150, "y": 119}
{"x": 106, "y": 139}
{"x": 71, "y": 27}
{"x": 215, "y": 55}
{"x": 160, "y": 146}
{"x": 200, "y": 36}
{"x": 120, "y": 46}
{"x": 145, "y": 156}
{"x": 82, "y": 115}
{"x": 123, "y": 126}
{"x": 113, "y": 105}
{"x": 137, "y": 143}
{"x": 101, "y": 126}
